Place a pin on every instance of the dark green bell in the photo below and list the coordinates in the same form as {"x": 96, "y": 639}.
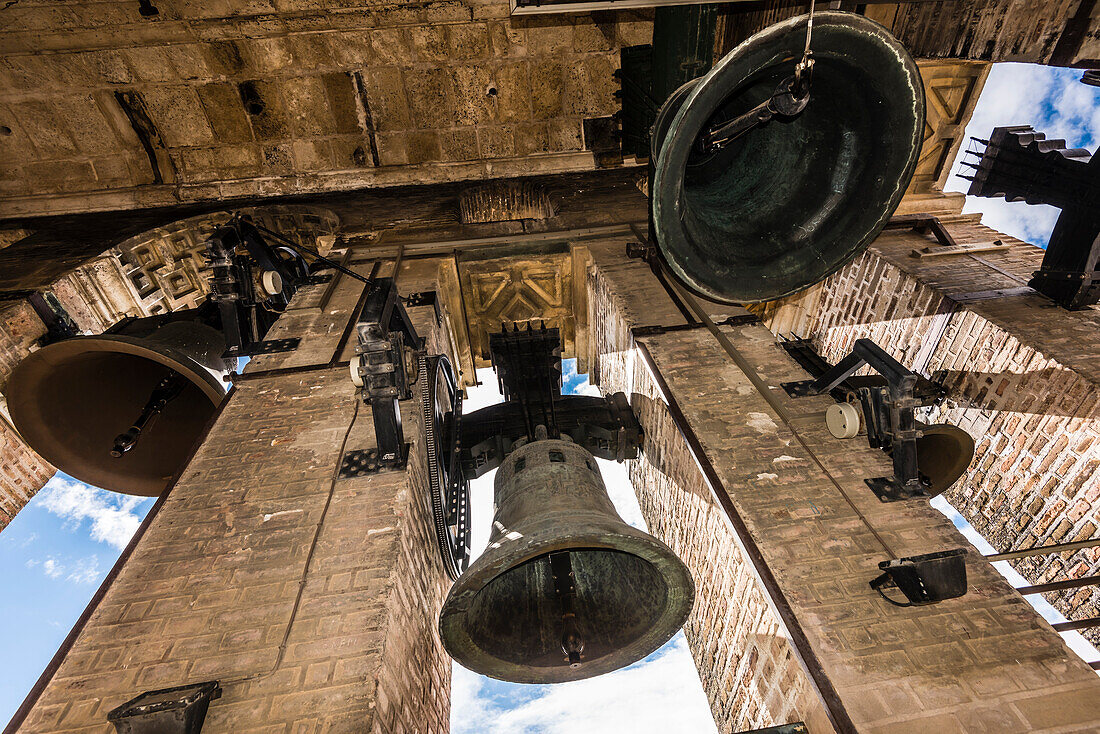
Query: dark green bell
{"x": 565, "y": 590}
{"x": 789, "y": 201}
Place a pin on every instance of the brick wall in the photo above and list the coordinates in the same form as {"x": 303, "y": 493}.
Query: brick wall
{"x": 22, "y": 472}
{"x": 312, "y": 599}
{"x": 985, "y": 661}
{"x": 1024, "y": 381}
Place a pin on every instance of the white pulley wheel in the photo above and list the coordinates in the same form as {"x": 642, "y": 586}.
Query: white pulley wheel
{"x": 356, "y": 378}
{"x": 842, "y": 420}
{"x": 272, "y": 282}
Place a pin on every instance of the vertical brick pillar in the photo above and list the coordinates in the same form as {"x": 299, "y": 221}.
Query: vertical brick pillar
{"x": 785, "y": 626}
{"x": 312, "y": 599}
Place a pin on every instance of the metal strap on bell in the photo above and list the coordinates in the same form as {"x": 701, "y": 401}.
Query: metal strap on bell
{"x": 766, "y": 181}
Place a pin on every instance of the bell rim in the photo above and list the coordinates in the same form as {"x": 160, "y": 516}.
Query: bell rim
{"x": 21, "y": 383}
{"x": 677, "y": 608}
{"x": 967, "y": 445}
{"x": 675, "y": 157}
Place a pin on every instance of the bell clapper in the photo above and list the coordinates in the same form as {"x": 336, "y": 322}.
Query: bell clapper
{"x": 167, "y": 390}
{"x": 571, "y": 643}
{"x": 788, "y": 100}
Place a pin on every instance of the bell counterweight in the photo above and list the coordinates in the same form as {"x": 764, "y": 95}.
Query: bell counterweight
{"x": 565, "y": 590}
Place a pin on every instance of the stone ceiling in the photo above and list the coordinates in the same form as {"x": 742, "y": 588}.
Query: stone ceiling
{"x": 113, "y": 121}
{"x": 103, "y": 108}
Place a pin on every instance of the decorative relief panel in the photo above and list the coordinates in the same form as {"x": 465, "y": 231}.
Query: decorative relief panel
{"x": 951, "y": 90}
{"x": 159, "y": 271}
{"x": 522, "y": 289}
{"x": 166, "y": 265}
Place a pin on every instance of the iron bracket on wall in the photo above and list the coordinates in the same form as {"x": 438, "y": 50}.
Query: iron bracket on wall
{"x": 176, "y": 710}
{"x": 270, "y": 346}
{"x": 361, "y": 462}
{"x": 925, "y": 579}
{"x": 59, "y": 325}
{"x": 888, "y": 406}
{"x": 384, "y": 370}
{"x": 796, "y": 728}
{"x": 425, "y": 298}
{"x": 923, "y": 224}
{"x": 641, "y": 251}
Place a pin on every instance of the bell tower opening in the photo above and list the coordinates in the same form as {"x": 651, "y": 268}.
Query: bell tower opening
{"x": 666, "y": 680}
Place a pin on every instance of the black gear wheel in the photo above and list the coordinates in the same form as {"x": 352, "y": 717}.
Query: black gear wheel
{"x": 441, "y": 407}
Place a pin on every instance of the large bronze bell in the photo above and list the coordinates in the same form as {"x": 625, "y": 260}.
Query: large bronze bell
{"x": 73, "y": 400}
{"x": 784, "y": 204}
{"x": 565, "y": 590}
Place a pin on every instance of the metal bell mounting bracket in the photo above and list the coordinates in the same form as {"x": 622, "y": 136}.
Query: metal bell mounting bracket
{"x": 384, "y": 369}
{"x": 889, "y": 411}
{"x": 788, "y": 100}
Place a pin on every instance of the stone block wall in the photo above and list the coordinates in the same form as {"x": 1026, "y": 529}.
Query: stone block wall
{"x": 1023, "y": 378}
{"x": 1059, "y": 32}
{"x": 107, "y": 109}
{"x": 815, "y": 643}
{"x": 312, "y": 599}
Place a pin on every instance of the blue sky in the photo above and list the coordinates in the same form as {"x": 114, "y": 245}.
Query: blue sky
{"x": 59, "y": 548}
{"x": 1051, "y": 100}
{"x": 53, "y": 556}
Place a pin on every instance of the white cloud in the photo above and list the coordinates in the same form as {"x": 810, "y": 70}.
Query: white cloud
{"x": 52, "y": 568}
{"x": 569, "y": 375}
{"x": 81, "y": 571}
{"x": 111, "y": 516}
{"x": 84, "y": 571}
{"x": 1029, "y": 222}
{"x": 658, "y": 696}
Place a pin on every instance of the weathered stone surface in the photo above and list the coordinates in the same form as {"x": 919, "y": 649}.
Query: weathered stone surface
{"x": 220, "y": 90}
{"x": 311, "y": 599}
{"x": 963, "y": 665}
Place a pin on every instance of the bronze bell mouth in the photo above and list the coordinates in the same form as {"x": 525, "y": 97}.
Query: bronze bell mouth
{"x": 565, "y": 590}
{"x": 782, "y": 204}
{"x": 73, "y": 400}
